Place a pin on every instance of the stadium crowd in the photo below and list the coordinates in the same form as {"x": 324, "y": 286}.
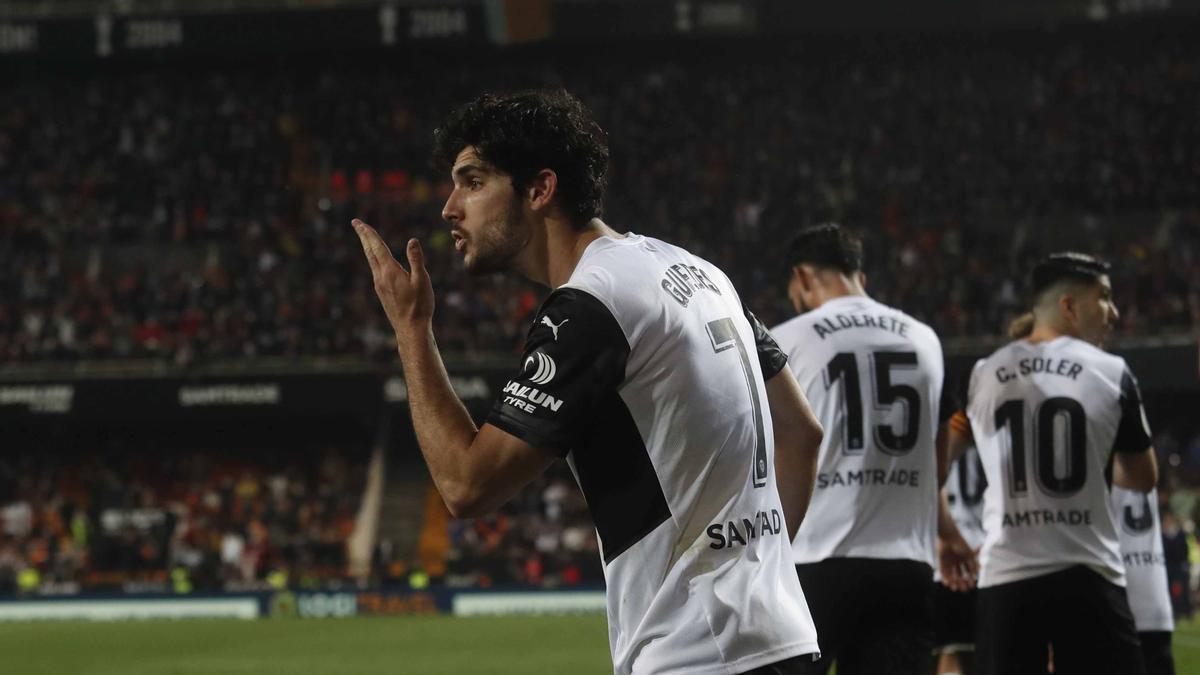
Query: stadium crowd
{"x": 543, "y": 537}
{"x": 180, "y": 522}
{"x": 191, "y": 212}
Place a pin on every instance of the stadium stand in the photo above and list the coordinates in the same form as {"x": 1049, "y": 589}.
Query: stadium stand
{"x": 135, "y": 518}
{"x": 202, "y": 214}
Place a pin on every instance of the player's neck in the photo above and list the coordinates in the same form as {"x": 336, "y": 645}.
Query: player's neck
{"x": 1045, "y": 332}
{"x": 840, "y": 286}
{"x": 553, "y": 260}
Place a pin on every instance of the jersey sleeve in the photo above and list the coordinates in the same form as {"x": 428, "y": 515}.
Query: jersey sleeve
{"x": 575, "y": 355}
{"x": 1133, "y": 432}
{"x": 770, "y": 357}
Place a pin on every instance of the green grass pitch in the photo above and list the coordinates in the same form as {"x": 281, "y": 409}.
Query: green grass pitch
{"x": 575, "y": 645}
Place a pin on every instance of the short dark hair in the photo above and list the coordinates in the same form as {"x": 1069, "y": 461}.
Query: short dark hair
{"x": 1067, "y": 266}
{"x": 524, "y": 132}
{"x": 828, "y": 245}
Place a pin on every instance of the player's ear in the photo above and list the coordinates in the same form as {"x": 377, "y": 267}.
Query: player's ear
{"x": 862, "y": 279}
{"x": 1068, "y": 309}
{"x": 541, "y": 189}
{"x": 804, "y": 277}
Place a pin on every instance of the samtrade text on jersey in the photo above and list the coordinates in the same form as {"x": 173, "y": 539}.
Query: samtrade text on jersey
{"x": 1048, "y": 517}
{"x": 869, "y": 477}
{"x": 732, "y": 533}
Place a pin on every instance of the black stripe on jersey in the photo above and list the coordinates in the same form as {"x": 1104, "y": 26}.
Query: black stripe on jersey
{"x": 575, "y": 355}
{"x": 1133, "y": 433}
{"x": 618, "y": 479}
{"x": 574, "y": 407}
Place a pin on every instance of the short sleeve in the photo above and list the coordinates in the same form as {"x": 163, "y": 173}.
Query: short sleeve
{"x": 1133, "y": 432}
{"x": 770, "y": 357}
{"x": 575, "y": 355}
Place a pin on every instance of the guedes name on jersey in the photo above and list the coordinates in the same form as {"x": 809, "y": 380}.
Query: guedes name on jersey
{"x": 839, "y": 322}
{"x": 1037, "y": 364}
{"x": 682, "y": 281}
{"x": 869, "y": 477}
{"x": 1047, "y": 517}
{"x": 733, "y": 533}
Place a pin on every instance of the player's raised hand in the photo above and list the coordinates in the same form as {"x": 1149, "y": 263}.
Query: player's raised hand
{"x": 406, "y": 294}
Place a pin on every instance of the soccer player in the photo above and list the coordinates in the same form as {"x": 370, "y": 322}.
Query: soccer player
{"x": 1140, "y": 533}
{"x": 955, "y": 594}
{"x": 1048, "y": 413}
{"x": 954, "y": 609}
{"x": 873, "y": 375}
{"x": 671, "y": 403}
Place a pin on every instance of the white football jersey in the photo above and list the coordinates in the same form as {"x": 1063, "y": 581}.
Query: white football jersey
{"x": 873, "y": 376}
{"x": 964, "y": 490}
{"x": 647, "y": 374}
{"x": 1046, "y": 419}
{"x": 1140, "y": 533}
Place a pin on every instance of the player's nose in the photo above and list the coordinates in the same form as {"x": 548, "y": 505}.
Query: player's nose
{"x": 452, "y": 211}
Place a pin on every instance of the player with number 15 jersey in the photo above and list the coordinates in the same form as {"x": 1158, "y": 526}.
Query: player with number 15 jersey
{"x": 873, "y": 376}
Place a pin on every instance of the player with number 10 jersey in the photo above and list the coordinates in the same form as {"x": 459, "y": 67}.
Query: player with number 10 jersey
{"x": 1049, "y": 413}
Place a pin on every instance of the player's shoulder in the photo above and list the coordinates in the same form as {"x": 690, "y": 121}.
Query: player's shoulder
{"x": 793, "y": 331}
{"x": 1100, "y": 367}
{"x": 1094, "y": 355}
{"x": 921, "y": 325}
{"x": 919, "y": 330}
{"x": 612, "y": 270}
{"x": 1007, "y": 352}
{"x": 1002, "y": 354}
{"x": 582, "y": 309}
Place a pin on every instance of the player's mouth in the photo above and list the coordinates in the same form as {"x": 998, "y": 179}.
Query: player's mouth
{"x": 460, "y": 241}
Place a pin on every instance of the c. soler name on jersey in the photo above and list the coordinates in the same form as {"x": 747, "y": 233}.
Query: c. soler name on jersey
{"x": 733, "y": 533}
{"x": 1048, "y": 517}
{"x": 839, "y": 322}
{"x": 906, "y": 477}
{"x": 1038, "y": 364}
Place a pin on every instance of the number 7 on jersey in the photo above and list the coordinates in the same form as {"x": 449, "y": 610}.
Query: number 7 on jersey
{"x": 724, "y": 335}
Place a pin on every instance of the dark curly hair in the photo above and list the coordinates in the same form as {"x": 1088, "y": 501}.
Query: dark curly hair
{"x": 525, "y": 132}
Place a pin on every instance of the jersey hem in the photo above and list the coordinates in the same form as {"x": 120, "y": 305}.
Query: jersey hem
{"x": 748, "y": 663}
{"x": 1013, "y": 577}
{"x": 864, "y": 556}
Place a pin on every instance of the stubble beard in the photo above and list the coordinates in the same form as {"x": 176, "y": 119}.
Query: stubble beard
{"x": 498, "y": 243}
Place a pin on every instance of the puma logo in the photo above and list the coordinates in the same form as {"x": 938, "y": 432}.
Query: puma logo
{"x": 547, "y": 322}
